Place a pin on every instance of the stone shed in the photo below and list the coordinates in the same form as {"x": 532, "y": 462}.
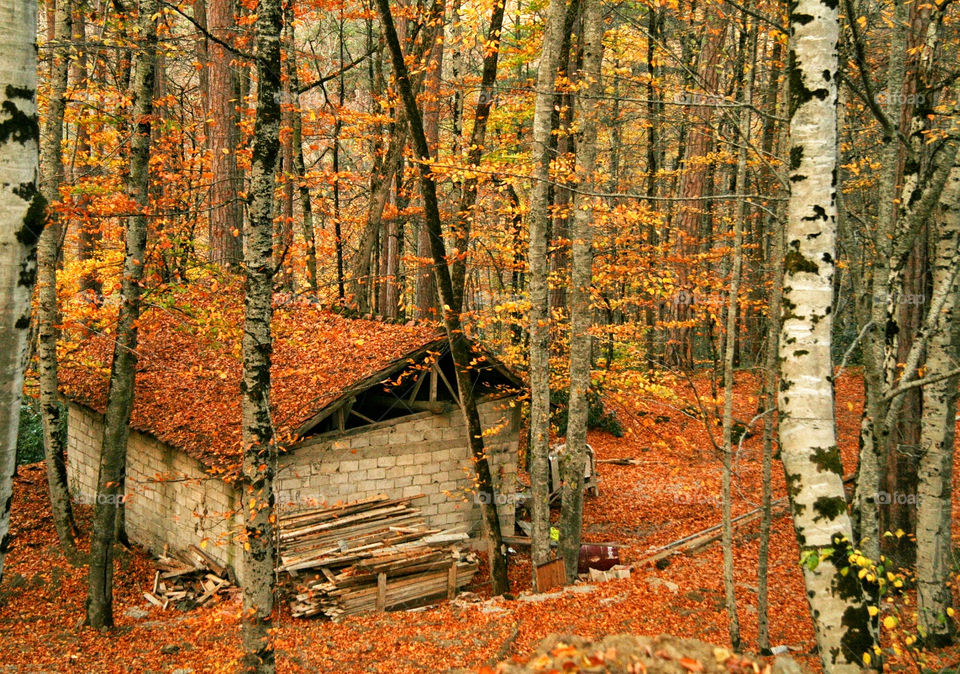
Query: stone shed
{"x": 361, "y": 407}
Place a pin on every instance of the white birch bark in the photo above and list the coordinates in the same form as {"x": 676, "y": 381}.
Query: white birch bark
{"x": 21, "y": 222}
{"x": 807, "y": 435}
{"x": 934, "y": 491}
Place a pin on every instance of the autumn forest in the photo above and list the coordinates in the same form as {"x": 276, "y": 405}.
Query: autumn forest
{"x": 479, "y": 335}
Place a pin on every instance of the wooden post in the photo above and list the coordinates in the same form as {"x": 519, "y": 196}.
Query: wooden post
{"x": 381, "y": 591}
{"x": 452, "y": 580}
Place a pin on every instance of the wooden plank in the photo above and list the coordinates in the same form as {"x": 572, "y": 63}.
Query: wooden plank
{"x": 153, "y": 600}
{"x": 453, "y": 392}
{"x": 550, "y": 575}
{"x": 416, "y": 387}
{"x": 452, "y": 581}
{"x": 381, "y": 591}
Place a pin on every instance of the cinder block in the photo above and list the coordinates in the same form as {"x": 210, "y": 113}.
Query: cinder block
{"x": 386, "y": 461}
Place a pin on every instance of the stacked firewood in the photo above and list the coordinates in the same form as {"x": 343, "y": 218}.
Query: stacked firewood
{"x": 371, "y": 555}
{"x": 188, "y": 578}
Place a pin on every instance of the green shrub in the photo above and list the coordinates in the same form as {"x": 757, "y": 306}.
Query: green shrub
{"x": 30, "y": 433}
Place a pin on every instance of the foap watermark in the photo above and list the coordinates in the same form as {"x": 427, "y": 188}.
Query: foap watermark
{"x": 679, "y": 496}
{"x": 899, "y": 298}
{"x": 499, "y": 498}
{"x": 692, "y": 297}
{"x": 101, "y": 499}
{"x": 897, "y": 498}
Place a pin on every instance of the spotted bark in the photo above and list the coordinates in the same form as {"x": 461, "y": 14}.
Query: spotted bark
{"x": 21, "y": 222}
{"x": 581, "y": 309}
{"x": 934, "y": 542}
{"x": 808, "y": 445}
{"x": 259, "y": 446}
{"x": 51, "y": 175}
{"x": 537, "y": 259}
{"x": 123, "y": 370}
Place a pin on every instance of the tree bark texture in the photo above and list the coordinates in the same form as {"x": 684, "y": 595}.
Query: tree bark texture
{"x": 808, "y": 444}
{"x": 226, "y": 224}
{"x": 539, "y": 313}
{"x": 580, "y": 300}
{"x": 120, "y": 394}
{"x": 259, "y": 447}
{"x": 934, "y": 530}
{"x": 21, "y": 222}
{"x": 51, "y": 175}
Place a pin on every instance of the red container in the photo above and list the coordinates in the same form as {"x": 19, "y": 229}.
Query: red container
{"x": 599, "y": 557}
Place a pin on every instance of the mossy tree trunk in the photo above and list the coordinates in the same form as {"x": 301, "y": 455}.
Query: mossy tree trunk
{"x": 935, "y": 484}
{"x": 538, "y": 316}
{"x": 51, "y": 175}
{"x": 808, "y": 444}
{"x": 580, "y": 299}
{"x": 259, "y": 446}
{"x": 21, "y": 222}
{"x": 113, "y": 453}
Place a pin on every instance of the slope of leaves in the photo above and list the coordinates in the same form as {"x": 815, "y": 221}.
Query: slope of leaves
{"x": 188, "y": 373}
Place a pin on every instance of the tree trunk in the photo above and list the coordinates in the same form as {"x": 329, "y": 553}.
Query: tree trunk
{"x": 808, "y": 444}
{"x": 226, "y": 244}
{"x": 537, "y": 259}
{"x": 51, "y": 175}
{"x": 426, "y": 288}
{"x": 299, "y": 166}
{"x": 259, "y": 448}
{"x": 123, "y": 371}
{"x": 729, "y": 353}
{"x": 580, "y": 301}
{"x": 934, "y": 533}
{"x": 21, "y": 223}
{"x": 459, "y": 347}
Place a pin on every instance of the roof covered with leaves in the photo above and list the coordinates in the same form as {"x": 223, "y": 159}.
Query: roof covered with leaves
{"x": 187, "y": 390}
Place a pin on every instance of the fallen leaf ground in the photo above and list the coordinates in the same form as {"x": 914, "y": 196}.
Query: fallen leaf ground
{"x": 672, "y": 493}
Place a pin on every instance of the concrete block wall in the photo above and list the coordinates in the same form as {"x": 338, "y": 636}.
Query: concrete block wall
{"x": 170, "y": 499}
{"x": 420, "y": 454}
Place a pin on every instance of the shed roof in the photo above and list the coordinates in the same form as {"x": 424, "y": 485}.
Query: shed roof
{"x": 187, "y": 391}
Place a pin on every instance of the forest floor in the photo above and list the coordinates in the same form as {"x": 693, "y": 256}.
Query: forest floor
{"x": 673, "y": 492}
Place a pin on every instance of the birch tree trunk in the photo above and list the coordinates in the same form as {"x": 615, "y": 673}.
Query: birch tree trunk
{"x": 581, "y": 310}
{"x": 113, "y": 452}
{"x": 808, "y": 445}
{"x": 51, "y": 175}
{"x": 21, "y": 222}
{"x": 539, "y": 312}
{"x": 259, "y": 448}
{"x": 934, "y": 532}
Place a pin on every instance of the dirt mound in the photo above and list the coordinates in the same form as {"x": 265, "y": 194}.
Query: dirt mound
{"x": 631, "y": 654}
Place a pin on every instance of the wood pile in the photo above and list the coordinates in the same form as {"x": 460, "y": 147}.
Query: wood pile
{"x": 187, "y": 578}
{"x": 376, "y": 554}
